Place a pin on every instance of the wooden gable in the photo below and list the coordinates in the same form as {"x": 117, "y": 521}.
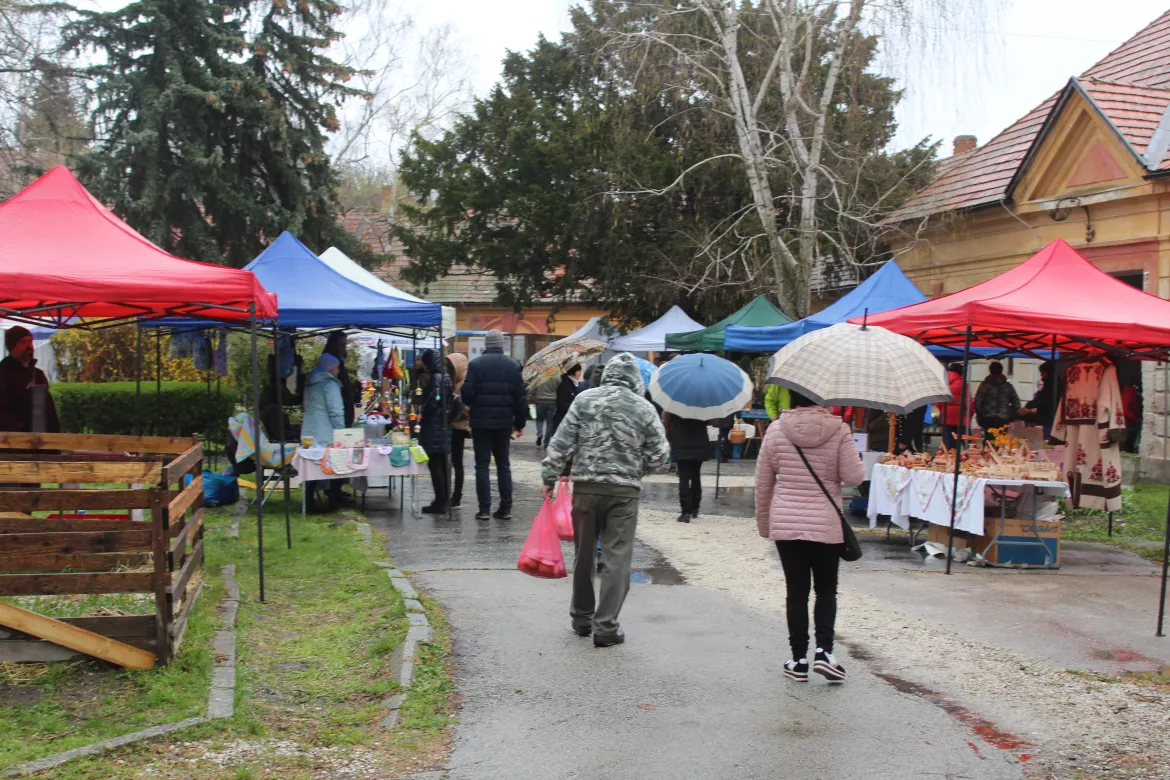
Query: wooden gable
{"x": 1080, "y": 154}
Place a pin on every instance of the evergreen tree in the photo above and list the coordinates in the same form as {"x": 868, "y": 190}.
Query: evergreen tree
{"x": 211, "y": 121}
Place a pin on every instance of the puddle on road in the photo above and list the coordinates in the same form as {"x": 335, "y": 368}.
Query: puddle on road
{"x": 659, "y": 572}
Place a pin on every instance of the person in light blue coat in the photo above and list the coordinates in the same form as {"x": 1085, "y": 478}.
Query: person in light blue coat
{"x": 324, "y": 412}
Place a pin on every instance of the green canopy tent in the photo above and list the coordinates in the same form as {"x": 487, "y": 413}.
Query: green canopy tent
{"x": 759, "y": 313}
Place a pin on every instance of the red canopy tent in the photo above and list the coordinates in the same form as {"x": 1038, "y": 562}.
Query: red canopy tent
{"x": 1055, "y": 301}
{"x": 65, "y": 260}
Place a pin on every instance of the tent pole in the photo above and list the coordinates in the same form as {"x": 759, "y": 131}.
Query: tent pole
{"x": 278, "y": 381}
{"x": 259, "y": 459}
{"x": 1165, "y": 459}
{"x": 138, "y": 380}
{"x": 448, "y": 463}
{"x": 964, "y": 413}
{"x": 157, "y": 381}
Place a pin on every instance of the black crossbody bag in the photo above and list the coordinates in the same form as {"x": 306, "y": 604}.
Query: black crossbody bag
{"x": 851, "y": 550}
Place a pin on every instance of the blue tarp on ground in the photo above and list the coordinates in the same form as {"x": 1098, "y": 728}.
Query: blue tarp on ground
{"x": 887, "y": 289}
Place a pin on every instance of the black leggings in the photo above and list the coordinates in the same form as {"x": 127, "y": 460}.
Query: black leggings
{"x": 438, "y": 468}
{"x": 458, "y": 440}
{"x": 808, "y": 565}
{"x": 690, "y": 489}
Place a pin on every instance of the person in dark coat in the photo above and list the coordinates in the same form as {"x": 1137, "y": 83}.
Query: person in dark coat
{"x": 25, "y": 402}
{"x": 1041, "y": 410}
{"x": 494, "y": 392}
{"x": 350, "y": 391}
{"x": 434, "y": 431}
{"x": 690, "y": 447}
{"x": 567, "y": 390}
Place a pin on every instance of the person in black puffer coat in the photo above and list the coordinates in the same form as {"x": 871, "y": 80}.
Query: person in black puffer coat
{"x": 434, "y": 433}
{"x": 690, "y": 447}
{"x": 494, "y": 392}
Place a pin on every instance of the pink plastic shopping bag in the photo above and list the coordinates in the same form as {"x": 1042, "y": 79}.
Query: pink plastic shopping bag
{"x": 541, "y": 556}
{"x": 562, "y": 510}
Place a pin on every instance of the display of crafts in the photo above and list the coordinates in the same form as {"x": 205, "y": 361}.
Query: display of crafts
{"x": 1002, "y": 457}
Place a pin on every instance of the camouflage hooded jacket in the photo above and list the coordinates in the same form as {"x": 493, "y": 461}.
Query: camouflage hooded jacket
{"x": 611, "y": 434}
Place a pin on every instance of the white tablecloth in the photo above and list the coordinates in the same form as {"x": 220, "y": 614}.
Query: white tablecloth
{"x": 378, "y": 465}
{"x": 904, "y": 493}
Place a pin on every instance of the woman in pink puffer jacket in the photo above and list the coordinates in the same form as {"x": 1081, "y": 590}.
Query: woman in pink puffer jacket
{"x": 793, "y": 511}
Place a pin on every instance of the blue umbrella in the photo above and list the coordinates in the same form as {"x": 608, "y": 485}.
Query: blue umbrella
{"x": 700, "y": 387}
{"x": 647, "y": 368}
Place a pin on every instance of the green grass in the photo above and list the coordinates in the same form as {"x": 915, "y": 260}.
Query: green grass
{"x": 1141, "y": 522}
{"x": 49, "y": 708}
{"x": 313, "y": 660}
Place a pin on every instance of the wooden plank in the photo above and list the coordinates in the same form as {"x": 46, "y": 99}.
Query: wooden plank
{"x": 97, "y": 442}
{"x": 189, "y": 461}
{"x": 161, "y": 575}
{"x": 192, "y": 496}
{"x": 79, "y": 541}
{"x": 179, "y": 627}
{"x": 61, "y": 562}
{"x": 42, "y": 651}
{"x": 37, "y": 525}
{"x": 189, "y": 533}
{"x": 52, "y": 500}
{"x": 41, "y": 471}
{"x": 125, "y": 627}
{"x": 55, "y": 584}
{"x": 194, "y": 561}
{"x": 75, "y": 638}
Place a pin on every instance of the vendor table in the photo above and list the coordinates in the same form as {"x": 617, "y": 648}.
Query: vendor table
{"x": 377, "y": 465}
{"x": 905, "y": 493}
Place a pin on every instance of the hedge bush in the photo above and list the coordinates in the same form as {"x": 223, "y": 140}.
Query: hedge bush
{"x": 183, "y": 409}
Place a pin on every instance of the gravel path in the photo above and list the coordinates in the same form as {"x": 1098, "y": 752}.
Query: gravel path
{"x": 1079, "y": 724}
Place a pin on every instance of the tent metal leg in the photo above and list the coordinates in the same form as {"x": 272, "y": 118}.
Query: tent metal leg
{"x": 259, "y": 460}
{"x": 158, "y": 415}
{"x": 279, "y": 391}
{"x": 959, "y": 443}
{"x": 1165, "y": 539}
{"x": 138, "y": 380}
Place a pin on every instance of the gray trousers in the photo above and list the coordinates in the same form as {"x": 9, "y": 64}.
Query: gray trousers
{"x": 613, "y": 519}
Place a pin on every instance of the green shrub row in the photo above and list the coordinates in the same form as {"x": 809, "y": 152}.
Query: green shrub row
{"x": 181, "y": 409}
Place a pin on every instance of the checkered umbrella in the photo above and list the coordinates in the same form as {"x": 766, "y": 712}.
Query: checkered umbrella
{"x": 552, "y": 361}
{"x": 858, "y": 365}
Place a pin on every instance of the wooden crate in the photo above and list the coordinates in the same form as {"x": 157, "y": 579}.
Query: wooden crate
{"x": 74, "y": 552}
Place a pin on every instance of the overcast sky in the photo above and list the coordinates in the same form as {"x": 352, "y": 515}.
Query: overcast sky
{"x": 1027, "y": 54}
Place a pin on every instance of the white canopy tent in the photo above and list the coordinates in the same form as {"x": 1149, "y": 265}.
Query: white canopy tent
{"x": 342, "y": 264}
{"x": 652, "y": 338}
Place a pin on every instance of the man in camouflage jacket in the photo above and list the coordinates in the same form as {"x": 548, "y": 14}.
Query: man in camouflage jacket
{"x": 612, "y": 437}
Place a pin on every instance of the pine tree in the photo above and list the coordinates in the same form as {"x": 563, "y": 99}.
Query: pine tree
{"x": 211, "y": 122}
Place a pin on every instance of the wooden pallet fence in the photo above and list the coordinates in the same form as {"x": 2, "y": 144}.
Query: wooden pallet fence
{"x": 66, "y": 528}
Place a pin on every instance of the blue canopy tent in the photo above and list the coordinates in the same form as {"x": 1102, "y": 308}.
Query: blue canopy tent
{"x": 887, "y": 289}
{"x": 312, "y": 296}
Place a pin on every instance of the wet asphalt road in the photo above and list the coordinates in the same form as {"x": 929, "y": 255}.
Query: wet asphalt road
{"x": 696, "y": 692}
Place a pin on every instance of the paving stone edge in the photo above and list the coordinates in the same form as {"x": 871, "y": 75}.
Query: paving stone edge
{"x": 406, "y": 654}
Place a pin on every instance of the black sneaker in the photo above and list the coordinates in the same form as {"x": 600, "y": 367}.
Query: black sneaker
{"x": 457, "y": 503}
{"x": 582, "y": 630}
{"x": 796, "y": 670}
{"x": 609, "y": 640}
{"x": 825, "y": 664}
{"x": 483, "y": 514}
{"x": 685, "y": 517}
{"x": 434, "y": 510}
{"x": 694, "y": 513}
{"x": 538, "y": 442}
{"x": 503, "y": 514}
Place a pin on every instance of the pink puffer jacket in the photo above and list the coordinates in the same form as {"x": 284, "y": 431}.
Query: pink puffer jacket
{"x": 789, "y": 504}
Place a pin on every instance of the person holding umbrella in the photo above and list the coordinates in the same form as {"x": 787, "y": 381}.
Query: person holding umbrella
{"x": 809, "y": 453}
{"x": 691, "y": 390}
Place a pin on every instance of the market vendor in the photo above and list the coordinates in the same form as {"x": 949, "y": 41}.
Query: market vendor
{"x": 25, "y": 401}
{"x": 1041, "y": 410}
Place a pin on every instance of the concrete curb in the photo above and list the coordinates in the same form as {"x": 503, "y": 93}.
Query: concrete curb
{"x": 406, "y": 654}
{"x": 221, "y": 697}
{"x": 233, "y": 529}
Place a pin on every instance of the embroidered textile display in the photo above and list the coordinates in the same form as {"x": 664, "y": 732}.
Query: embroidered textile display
{"x": 1091, "y": 418}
